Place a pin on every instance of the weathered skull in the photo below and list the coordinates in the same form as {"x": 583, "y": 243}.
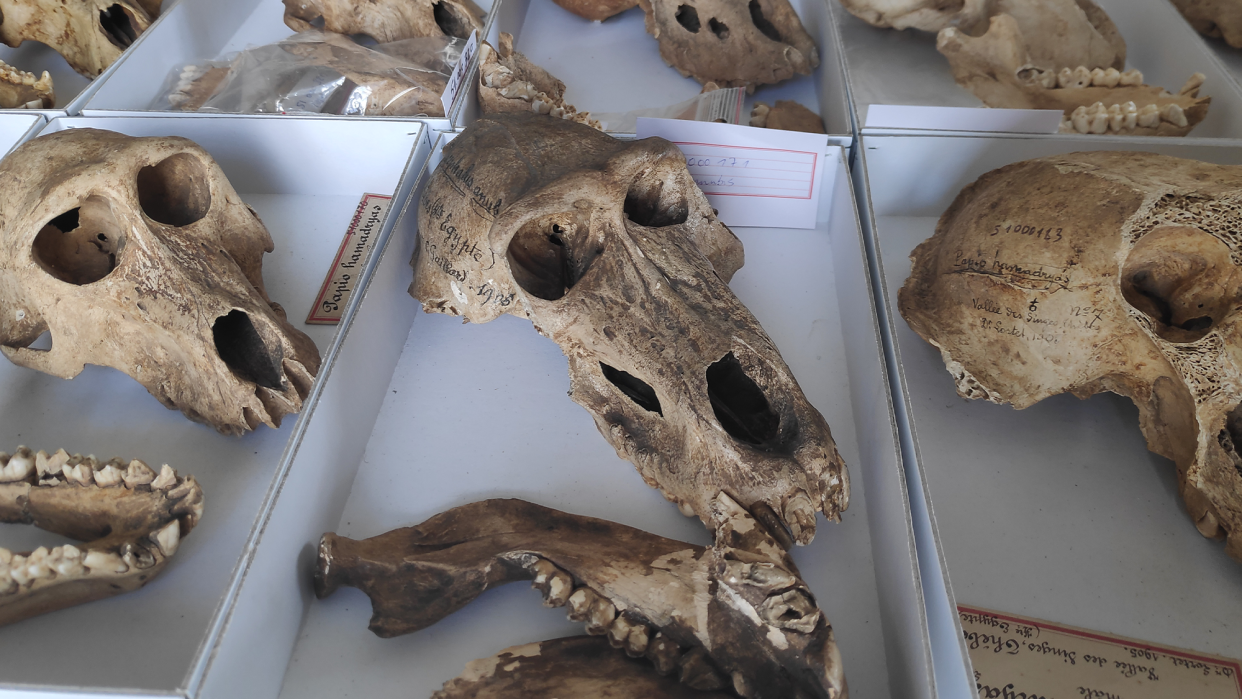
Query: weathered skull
{"x": 1101, "y": 272}
{"x": 998, "y": 70}
{"x": 1217, "y": 18}
{"x": 131, "y": 518}
{"x": 509, "y": 83}
{"x": 137, "y": 254}
{"x": 928, "y": 15}
{"x": 613, "y": 252}
{"x": 596, "y": 10}
{"x": 22, "y": 90}
{"x": 90, "y": 34}
{"x": 386, "y": 20}
{"x": 733, "y": 43}
{"x": 736, "y": 613}
{"x": 577, "y": 666}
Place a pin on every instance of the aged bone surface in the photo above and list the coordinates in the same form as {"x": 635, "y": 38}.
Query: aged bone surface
{"x": 131, "y": 518}
{"x": 90, "y": 34}
{"x": 786, "y": 115}
{"x": 22, "y": 90}
{"x": 137, "y": 254}
{"x": 735, "y": 614}
{"x": 1150, "y": 245}
{"x": 509, "y": 83}
{"x": 1216, "y": 18}
{"x": 597, "y": 10}
{"x": 577, "y": 666}
{"x": 733, "y": 43}
{"x": 387, "y": 20}
{"x": 614, "y": 253}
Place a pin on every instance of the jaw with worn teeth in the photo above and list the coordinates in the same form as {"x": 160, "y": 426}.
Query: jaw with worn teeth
{"x": 996, "y": 68}
{"x": 22, "y": 90}
{"x": 131, "y": 519}
{"x": 737, "y": 608}
{"x": 510, "y": 82}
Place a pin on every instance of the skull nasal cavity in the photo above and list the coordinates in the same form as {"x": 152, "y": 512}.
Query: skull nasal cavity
{"x": 450, "y": 21}
{"x": 175, "y": 190}
{"x": 739, "y": 404}
{"x": 635, "y": 388}
{"x": 762, "y": 23}
{"x": 241, "y": 348}
{"x": 117, "y": 26}
{"x": 720, "y": 29}
{"x": 1183, "y": 278}
{"x": 688, "y": 17}
{"x": 80, "y": 245}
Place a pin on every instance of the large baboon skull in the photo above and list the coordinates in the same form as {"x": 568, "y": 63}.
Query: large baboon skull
{"x": 137, "y": 254}
{"x": 613, "y": 252}
{"x": 1098, "y": 272}
{"x": 90, "y": 34}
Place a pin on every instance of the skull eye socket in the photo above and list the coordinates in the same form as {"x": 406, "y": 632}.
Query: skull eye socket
{"x": 739, "y": 404}
{"x": 761, "y": 23}
{"x": 648, "y": 204}
{"x": 688, "y": 17}
{"x": 1183, "y": 278}
{"x": 118, "y": 26}
{"x": 175, "y": 190}
{"x": 240, "y": 347}
{"x": 79, "y": 246}
{"x": 634, "y": 388}
{"x": 548, "y": 256}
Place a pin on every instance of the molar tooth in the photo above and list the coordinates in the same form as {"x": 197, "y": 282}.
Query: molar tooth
{"x": 1116, "y": 118}
{"x": 560, "y": 585}
{"x": 53, "y": 463}
{"x": 579, "y": 604}
{"x": 20, "y": 574}
{"x": 1149, "y": 116}
{"x": 1080, "y": 121}
{"x": 17, "y": 469}
{"x": 1130, "y": 111}
{"x": 1097, "y": 76}
{"x": 663, "y": 653}
{"x": 168, "y": 538}
{"x": 40, "y": 570}
{"x": 1111, "y": 78}
{"x": 109, "y": 477}
{"x": 80, "y": 474}
{"x": 69, "y": 551}
{"x": 619, "y": 631}
{"x": 69, "y": 567}
{"x": 1131, "y": 77}
{"x": 38, "y": 555}
{"x": 1173, "y": 114}
{"x": 698, "y": 673}
{"x": 166, "y": 479}
{"x": 1082, "y": 77}
{"x": 104, "y": 562}
{"x": 600, "y": 616}
{"x": 543, "y": 570}
{"x": 23, "y": 460}
{"x": 1065, "y": 77}
{"x": 7, "y": 584}
{"x": 137, "y": 556}
{"x": 1098, "y": 117}
{"x": 1193, "y": 83}
{"x": 28, "y": 79}
{"x": 138, "y": 474}
{"x": 6, "y": 556}
{"x": 637, "y": 640}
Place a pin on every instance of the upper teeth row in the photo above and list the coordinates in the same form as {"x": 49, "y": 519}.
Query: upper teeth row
{"x": 1123, "y": 118}
{"x": 82, "y": 470}
{"x": 21, "y": 77}
{"x": 1086, "y": 77}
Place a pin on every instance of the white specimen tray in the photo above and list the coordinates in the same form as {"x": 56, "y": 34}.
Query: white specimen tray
{"x": 160, "y": 639}
{"x": 886, "y": 66}
{"x": 1058, "y": 511}
{"x": 197, "y": 31}
{"x": 615, "y": 65}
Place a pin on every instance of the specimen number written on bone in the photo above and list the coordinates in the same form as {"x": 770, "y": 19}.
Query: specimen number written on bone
{"x": 736, "y": 614}
{"x": 614, "y": 253}
{"x": 386, "y": 20}
{"x": 22, "y": 90}
{"x": 509, "y": 83}
{"x": 1097, "y": 272}
{"x": 131, "y": 519}
{"x": 137, "y": 254}
{"x": 1216, "y": 18}
{"x": 90, "y": 34}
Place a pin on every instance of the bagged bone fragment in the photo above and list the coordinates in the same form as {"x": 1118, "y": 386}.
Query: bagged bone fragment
{"x": 597, "y": 10}
{"x": 787, "y": 115}
{"x": 386, "y": 20}
{"x": 509, "y": 83}
{"x": 1149, "y": 243}
{"x": 22, "y": 90}
{"x": 89, "y": 34}
{"x": 733, "y": 43}
{"x": 615, "y": 254}
{"x": 577, "y": 666}
{"x": 131, "y": 519}
{"x": 320, "y": 73}
{"x": 1221, "y": 19}
{"x": 137, "y": 254}
{"x": 736, "y": 614}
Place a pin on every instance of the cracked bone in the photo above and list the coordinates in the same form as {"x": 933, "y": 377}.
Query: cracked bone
{"x": 137, "y": 254}
{"x": 89, "y": 34}
{"x": 671, "y": 590}
{"x": 129, "y": 536}
{"x": 1161, "y": 264}
{"x": 509, "y": 83}
{"x": 386, "y": 20}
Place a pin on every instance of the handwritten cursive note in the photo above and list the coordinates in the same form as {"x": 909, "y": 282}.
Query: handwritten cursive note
{"x": 346, "y": 268}
{"x": 1020, "y": 658}
{"x": 753, "y": 177}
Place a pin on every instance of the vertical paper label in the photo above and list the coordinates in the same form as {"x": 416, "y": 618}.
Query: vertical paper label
{"x": 346, "y": 268}
{"x": 457, "y": 80}
{"x": 1020, "y": 658}
{"x": 724, "y": 106}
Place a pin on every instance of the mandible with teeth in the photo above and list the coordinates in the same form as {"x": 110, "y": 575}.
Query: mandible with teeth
{"x": 1128, "y": 270}
{"x": 612, "y": 251}
{"x": 137, "y": 254}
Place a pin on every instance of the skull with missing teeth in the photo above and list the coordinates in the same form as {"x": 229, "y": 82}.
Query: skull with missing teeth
{"x": 613, "y": 252}
{"x": 137, "y": 254}
{"x": 1150, "y": 245}
{"x": 90, "y": 34}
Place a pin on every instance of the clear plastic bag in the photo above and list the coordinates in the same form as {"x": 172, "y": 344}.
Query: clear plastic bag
{"x": 320, "y": 73}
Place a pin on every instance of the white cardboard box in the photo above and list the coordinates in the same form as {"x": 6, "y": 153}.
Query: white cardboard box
{"x": 161, "y": 639}
{"x": 1056, "y": 512}
{"x": 886, "y": 66}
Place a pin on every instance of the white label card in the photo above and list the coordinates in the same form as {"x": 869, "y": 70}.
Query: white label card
{"x": 900, "y": 116}
{"x": 457, "y": 80}
{"x": 753, "y": 177}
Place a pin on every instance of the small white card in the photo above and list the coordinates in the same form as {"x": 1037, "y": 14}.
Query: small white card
{"x": 897, "y": 116}
{"x": 457, "y": 80}
{"x": 753, "y": 177}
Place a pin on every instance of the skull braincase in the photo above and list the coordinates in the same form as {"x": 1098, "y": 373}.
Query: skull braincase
{"x": 90, "y": 34}
{"x": 387, "y": 20}
{"x": 137, "y": 254}
{"x": 1149, "y": 243}
{"x": 613, "y": 252}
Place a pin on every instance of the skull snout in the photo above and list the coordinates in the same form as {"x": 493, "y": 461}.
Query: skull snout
{"x": 1184, "y": 279}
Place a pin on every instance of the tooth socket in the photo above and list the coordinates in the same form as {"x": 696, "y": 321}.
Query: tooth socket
{"x": 664, "y": 654}
{"x": 137, "y": 556}
{"x": 698, "y": 673}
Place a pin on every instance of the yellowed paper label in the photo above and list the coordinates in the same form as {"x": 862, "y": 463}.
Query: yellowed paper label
{"x": 1020, "y": 658}
{"x": 346, "y": 269}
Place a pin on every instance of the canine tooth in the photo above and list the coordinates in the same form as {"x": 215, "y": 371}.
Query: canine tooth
{"x": 1173, "y": 114}
{"x": 685, "y": 509}
{"x": 1131, "y": 77}
{"x": 109, "y": 477}
{"x": 33, "y": 104}
{"x": 168, "y": 538}
{"x": 1149, "y": 116}
{"x": 1130, "y": 111}
{"x": 663, "y": 653}
{"x": 636, "y": 642}
{"x": 104, "y": 562}
{"x": 1082, "y": 77}
{"x": 45, "y": 81}
{"x": 698, "y": 673}
{"x": 619, "y": 631}
{"x": 600, "y": 616}
{"x": 579, "y": 604}
{"x": 1193, "y": 83}
{"x": 138, "y": 474}
{"x": 560, "y": 585}
{"x": 1115, "y": 118}
{"x": 1065, "y": 77}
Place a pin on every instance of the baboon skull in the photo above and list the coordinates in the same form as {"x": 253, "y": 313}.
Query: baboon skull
{"x": 1121, "y": 272}
{"x": 90, "y": 34}
{"x": 137, "y": 254}
{"x": 613, "y": 252}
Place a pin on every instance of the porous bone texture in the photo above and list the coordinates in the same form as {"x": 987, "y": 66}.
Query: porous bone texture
{"x": 735, "y": 614}
{"x": 137, "y": 254}
{"x": 1216, "y": 18}
{"x": 1097, "y": 272}
{"x": 90, "y": 34}
{"x": 613, "y": 252}
{"x": 386, "y": 20}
